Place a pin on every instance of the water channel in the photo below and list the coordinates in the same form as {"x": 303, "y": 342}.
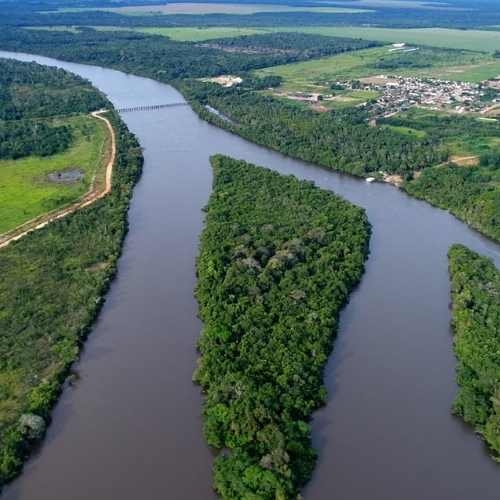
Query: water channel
{"x": 131, "y": 428}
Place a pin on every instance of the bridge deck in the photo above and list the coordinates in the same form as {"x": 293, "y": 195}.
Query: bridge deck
{"x": 151, "y": 107}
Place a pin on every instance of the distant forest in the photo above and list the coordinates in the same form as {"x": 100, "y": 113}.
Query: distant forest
{"x": 166, "y": 60}
{"x": 29, "y": 13}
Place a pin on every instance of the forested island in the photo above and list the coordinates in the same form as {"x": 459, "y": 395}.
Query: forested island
{"x": 278, "y": 259}
{"x": 54, "y": 279}
{"x": 475, "y": 285}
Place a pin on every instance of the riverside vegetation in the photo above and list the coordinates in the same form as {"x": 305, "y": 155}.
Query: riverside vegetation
{"x": 53, "y": 283}
{"x": 343, "y": 140}
{"x": 475, "y": 283}
{"x": 278, "y": 259}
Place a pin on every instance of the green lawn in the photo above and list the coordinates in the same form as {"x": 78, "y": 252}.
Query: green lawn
{"x": 318, "y": 73}
{"x": 25, "y": 191}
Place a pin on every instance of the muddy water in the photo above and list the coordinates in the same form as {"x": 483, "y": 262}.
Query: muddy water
{"x": 130, "y": 429}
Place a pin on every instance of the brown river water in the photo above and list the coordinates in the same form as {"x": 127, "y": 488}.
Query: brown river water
{"x": 130, "y": 429}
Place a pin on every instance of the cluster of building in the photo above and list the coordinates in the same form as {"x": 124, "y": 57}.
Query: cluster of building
{"x": 401, "y": 93}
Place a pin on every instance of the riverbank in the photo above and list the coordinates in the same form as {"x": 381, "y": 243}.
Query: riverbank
{"x": 154, "y": 427}
{"x": 53, "y": 285}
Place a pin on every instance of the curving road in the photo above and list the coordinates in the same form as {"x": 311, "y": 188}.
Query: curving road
{"x": 88, "y": 199}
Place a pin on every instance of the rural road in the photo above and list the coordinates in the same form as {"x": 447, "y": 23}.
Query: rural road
{"x": 89, "y": 198}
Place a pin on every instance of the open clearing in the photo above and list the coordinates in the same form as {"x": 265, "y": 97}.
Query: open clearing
{"x": 484, "y": 41}
{"x": 314, "y": 74}
{"x": 25, "y": 190}
{"x": 200, "y": 34}
{"x": 214, "y": 8}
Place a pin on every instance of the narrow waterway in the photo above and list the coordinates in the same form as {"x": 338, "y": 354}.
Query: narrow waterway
{"x": 131, "y": 429}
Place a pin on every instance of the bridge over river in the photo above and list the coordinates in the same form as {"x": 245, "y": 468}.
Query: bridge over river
{"x": 151, "y": 107}
{"x": 131, "y": 427}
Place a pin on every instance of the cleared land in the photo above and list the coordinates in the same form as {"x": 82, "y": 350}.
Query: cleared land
{"x": 316, "y": 74}
{"x": 214, "y": 8}
{"x": 196, "y": 34}
{"x": 26, "y": 191}
{"x": 484, "y": 41}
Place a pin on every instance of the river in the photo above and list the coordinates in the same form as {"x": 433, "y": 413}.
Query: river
{"x": 131, "y": 427}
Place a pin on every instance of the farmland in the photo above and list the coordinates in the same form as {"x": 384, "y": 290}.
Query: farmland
{"x": 437, "y": 63}
{"x": 475, "y": 40}
{"x": 483, "y": 41}
{"x": 213, "y": 8}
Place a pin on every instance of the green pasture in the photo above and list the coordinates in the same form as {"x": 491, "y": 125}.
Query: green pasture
{"x": 25, "y": 191}
{"x": 317, "y": 73}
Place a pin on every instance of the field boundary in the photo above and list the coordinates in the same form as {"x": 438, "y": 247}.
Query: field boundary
{"x": 94, "y": 194}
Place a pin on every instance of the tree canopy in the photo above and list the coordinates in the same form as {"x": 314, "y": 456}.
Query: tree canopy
{"x": 475, "y": 286}
{"x": 278, "y": 258}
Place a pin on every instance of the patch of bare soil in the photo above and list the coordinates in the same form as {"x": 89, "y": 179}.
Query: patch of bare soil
{"x": 395, "y": 180}
{"x": 465, "y": 161}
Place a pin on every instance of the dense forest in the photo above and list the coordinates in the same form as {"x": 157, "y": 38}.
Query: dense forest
{"x": 278, "y": 259}
{"x": 52, "y": 286}
{"x": 24, "y": 138}
{"x": 475, "y": 283}
{"x": 29, "y": 90}
{"x": 470, "y": 192}
{"x": 342, "y": 140}
{"x": 298, "y": 46}
{"x": 163, "y": 59}
{"x": 483, "y": 13}
{"x": 29, "y": 95}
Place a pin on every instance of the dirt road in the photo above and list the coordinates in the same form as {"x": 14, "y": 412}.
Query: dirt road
{"x": 90, "y": 197}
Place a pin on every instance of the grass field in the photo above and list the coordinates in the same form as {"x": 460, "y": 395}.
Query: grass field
{"x": 484, "y": 41}
{"x": 200, "y": 34}
{"x": 308, "y": 75}
{"x": 212, "y": 8}
{"x": 25, "y": 191}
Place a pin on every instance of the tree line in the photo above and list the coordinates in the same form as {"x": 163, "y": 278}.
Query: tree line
{"x": 342, "y": 140}
{"x": 472, "y": 193}
{"x": 163, "y": 59}
{"x": 482, "y": 14}
{"x": 278, "y": 258}
{"x": 475, "y": 287}
{"x": 32, "y": 95}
